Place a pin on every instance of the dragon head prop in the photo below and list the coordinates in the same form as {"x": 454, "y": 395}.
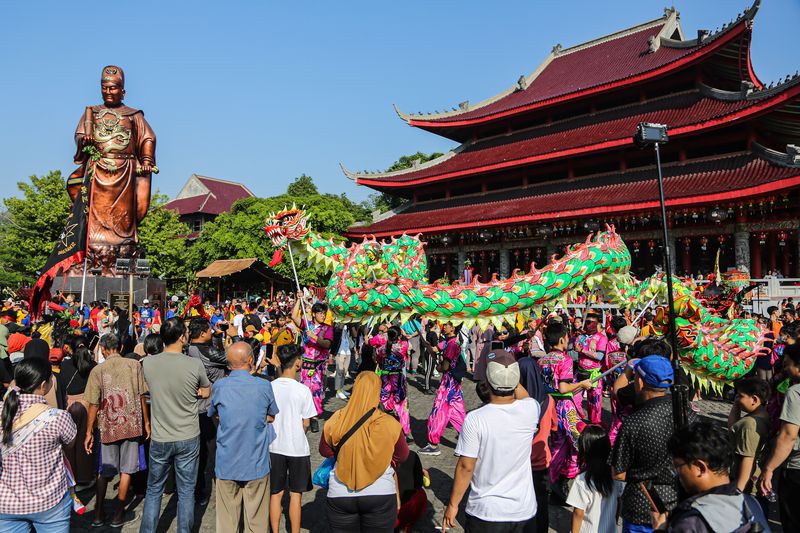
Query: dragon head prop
{"x": 284, "y": 226}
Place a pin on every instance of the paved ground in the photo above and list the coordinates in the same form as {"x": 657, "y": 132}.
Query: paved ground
{"x": 314, "y": 519}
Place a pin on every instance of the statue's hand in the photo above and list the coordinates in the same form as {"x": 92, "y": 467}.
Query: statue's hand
{"x": 145, "y": 168}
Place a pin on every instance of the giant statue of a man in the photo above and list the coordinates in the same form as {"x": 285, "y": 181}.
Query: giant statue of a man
{"x": 120, "y": 166}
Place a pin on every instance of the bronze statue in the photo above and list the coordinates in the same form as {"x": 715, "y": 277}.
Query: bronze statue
{"x": 117, "y": 148}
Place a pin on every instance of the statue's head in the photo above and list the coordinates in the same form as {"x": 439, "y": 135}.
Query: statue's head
{"x": 112, "y": 85}
{"x": 286, "y": 225}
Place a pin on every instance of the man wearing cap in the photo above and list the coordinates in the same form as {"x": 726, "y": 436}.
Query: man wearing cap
{"x": 494, "y": 450}
{"x": 640, "y": 450}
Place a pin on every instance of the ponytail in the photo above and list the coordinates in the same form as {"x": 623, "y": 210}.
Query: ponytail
{"x": 29, "y": 374}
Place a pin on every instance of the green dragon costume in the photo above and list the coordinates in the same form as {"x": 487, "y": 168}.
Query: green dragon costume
{"x": 387, "y": 279}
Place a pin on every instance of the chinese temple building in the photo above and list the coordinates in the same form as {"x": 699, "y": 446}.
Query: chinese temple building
{"x": 552, "y": 158}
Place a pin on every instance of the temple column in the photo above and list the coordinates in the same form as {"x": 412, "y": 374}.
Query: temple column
{"x": 505, "y": 263}
{"x": 772, "y": 259}
{"x": 549, "y": 251}
{"x": 672, "y": 259}
{"x": 462, "y": 259}
{"x": 741, "y": 248}
{"x": 686, "y": 259}
{"x": 797, "y": 256}
{"x": 755, "y": 259}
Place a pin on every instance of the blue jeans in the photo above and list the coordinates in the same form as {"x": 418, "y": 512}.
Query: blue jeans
{"x": 185, "y": 455}
{"x": 53, "y": 520}
{"x": 630, "y": 527}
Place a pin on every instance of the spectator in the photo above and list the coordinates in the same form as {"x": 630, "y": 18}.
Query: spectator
{"x": 702, "y": 455}
{"x": 787, "y": 446}
{"x": 494, "y": 450}
{"x": 237, "y": 323}
{"x": 175, "y": 382}
{"x": 531, "y": 378}
{"x": 640, "y": 449}
{"x": 749, "y": 432}
{"x": 245, "y": 406}
{"x": 362, "y": 494}
{"x": 55, "y": 395}
{"x": 290, "y": 454}
{"x": 208, "y": 347}
{"x": 117, "y": 387}
{"x": 75, "y": 371}
{"x": 594, "y": 494}
{"x": 343, "y": 354}
{"x": 34, "y": 491}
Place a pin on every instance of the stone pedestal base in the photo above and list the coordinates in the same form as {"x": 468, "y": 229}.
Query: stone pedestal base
{"x": 113, "y": 290}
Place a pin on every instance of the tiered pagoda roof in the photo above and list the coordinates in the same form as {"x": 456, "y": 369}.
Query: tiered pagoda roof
{"x": 559, "y": 145}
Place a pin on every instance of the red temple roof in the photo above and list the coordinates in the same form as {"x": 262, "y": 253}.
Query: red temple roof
{"x": 212, "y": 196}
{"x": 688, "y": 183}
{"x": 636, "y": 54}
{"x": 687, "y": 112}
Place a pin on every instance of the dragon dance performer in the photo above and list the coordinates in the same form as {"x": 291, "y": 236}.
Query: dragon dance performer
{"x": 391, "y": 354}
{"x": 448, "y": 407}
{"x": 317, "y": 341}
{"x": 556, "y": 369}
{"x": 591, "y": 347}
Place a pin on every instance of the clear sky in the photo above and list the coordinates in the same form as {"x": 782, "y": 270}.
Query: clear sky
{"x": 260, "y": 92}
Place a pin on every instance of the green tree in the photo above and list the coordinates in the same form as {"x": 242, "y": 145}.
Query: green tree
{"x": 30, "y": 225}
{"x": 239, "y": 233}
{"x": 384, "y": 201}
{"x": 161, "y": 235}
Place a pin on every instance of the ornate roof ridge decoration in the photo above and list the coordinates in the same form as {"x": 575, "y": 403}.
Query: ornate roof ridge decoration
{"x": 669, "y": 22}
{"x": 417, "y": 166}
{"x": 790, "y": 158}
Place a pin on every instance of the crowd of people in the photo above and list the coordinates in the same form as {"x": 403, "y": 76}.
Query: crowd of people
{"x": 224, "y": 396}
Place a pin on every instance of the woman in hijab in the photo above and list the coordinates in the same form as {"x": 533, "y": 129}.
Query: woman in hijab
{"x": 530, "y": 376}
{"x": 56, "y": 395}
{"x": 362, "y": 492}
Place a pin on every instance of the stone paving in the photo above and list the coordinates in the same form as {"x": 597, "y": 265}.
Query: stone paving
{"x": 314, "y": 519}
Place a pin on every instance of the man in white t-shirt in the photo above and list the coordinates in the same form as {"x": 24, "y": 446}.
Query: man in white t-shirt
{"x": 494, "y": 450}
{"x": 290, "y": 455}
{"x": 238, "y": 319}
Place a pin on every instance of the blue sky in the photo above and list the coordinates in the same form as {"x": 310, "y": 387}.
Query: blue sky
{"x": 260, "y": 92}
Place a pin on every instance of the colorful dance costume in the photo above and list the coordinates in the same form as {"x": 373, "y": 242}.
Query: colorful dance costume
{"x": 391, "y": 366}
{"x": 557, "y": 367}
{"x": 614, "y": 355}
{"x": 448, "y": 407}
{"x": 591, "y": 348}
{"x": 312, "y": 374}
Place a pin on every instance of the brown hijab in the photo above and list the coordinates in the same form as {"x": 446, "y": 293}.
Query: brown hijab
{"x": 367, "y": 454}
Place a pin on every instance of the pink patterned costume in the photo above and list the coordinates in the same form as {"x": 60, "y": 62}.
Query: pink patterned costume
{"x": 614, "y": 355}
{"x": 557, "y": 367}
{"x": 448, "y": 407}
{"x": 591, "y": 350}
{"x": 394, "y": 392}
{"x": 312, "y": 375}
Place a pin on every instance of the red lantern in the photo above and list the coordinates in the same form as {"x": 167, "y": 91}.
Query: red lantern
{"x": 782, "y": 236}
{"x": 703, "y": 243}
{"x": 762, "y": 237}
{"x": 721, "y": 239}
{"x": 652, "y": 244}
{"x": 687, "y": 242}
{"x": 636, "y": 246}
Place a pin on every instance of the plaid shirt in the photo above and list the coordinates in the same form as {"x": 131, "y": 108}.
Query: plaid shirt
{"x": 34, "y": 478}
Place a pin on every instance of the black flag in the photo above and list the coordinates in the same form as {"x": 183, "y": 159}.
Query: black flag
{"x": 70, "y": 249}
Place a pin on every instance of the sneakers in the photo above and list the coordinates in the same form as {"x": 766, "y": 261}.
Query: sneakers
{"x": 346, "y": 393}
{"x": 429, "y": 450}
{"x": 436, "y": 374}
{"x": 341, "y": 395}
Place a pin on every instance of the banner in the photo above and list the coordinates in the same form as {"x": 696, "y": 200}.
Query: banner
{"x": 70, "y": 249}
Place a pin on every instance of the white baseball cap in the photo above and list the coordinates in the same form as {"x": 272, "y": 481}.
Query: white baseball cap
{"x": 502, "y": 370}
{"x": 145, "y": 301}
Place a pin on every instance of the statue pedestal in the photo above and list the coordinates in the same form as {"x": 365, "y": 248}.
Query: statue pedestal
{"x": 113, "y": 290}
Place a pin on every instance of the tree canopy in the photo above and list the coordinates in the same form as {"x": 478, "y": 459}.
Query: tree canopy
{"x": 239, "y": 233}
{"x": 160, "y": 234}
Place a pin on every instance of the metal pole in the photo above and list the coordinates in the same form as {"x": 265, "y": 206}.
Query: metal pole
{"x": 130, "y": 295}
{"x": 297, "y": 282}
{"x": 83, "y": 281}
{"x": 679, "y": 392}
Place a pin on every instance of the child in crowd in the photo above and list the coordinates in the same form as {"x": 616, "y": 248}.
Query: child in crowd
{"x": 594, "y": 494}
{"x": 749, "y": 432}
{"x": 289, "y": 452}
{"x": 556, "y": 369}
{"x": 391, "y": 355}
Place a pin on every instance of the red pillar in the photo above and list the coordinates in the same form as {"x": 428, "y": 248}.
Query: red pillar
{"x": 755, "y": 258}
{"x": 686, "y": 259}
{"x": 772, "y": 253}
{"x": 785, "y": 252}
